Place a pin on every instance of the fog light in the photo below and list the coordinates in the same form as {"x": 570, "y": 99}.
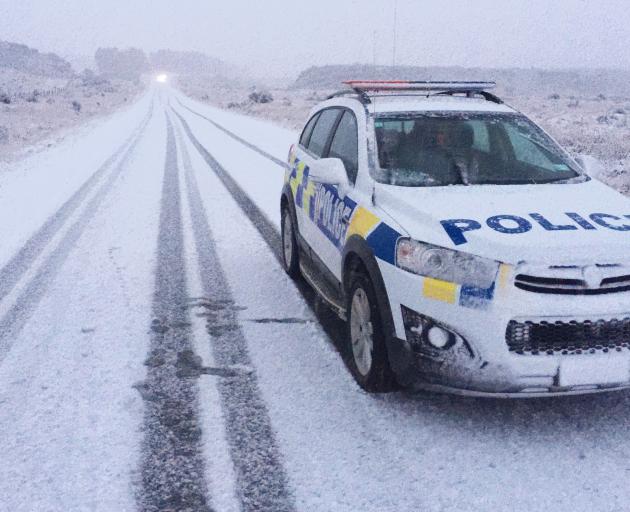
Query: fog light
{"x": 431, "y": 338}
{"x": 440, "y": 338}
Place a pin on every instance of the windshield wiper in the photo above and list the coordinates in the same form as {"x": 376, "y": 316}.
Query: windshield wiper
{"x": 462, "y": 171}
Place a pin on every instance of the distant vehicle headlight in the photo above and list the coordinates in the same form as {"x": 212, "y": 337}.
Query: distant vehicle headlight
{"x": 445, "y": 264}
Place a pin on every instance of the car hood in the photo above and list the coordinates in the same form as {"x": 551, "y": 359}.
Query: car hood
{"x": 437, "y": 215}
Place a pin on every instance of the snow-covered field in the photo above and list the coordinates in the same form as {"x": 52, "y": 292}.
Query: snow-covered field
{"x": 155, "y": 356}
{"x": 37, "y": 112}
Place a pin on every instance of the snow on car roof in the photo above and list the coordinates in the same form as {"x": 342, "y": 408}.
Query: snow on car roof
{"x": 414, "y": 103}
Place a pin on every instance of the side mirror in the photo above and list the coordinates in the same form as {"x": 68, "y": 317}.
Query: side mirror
{"x": 590, "y": 165}
{"x": 331, "y": 171}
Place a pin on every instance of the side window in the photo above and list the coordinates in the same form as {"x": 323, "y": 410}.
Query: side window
{"x": 345, "y": 144}
{"x": 322, "y": 130}
{"x": 308, "y": 129}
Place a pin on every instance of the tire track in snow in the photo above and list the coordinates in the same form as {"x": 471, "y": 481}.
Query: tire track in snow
{"x": 18, "y": 314}
{"x": 330, "y": 322}
{"x": 172, "y": 468}
{"x": 246, "y": 143}
{"x": 261, "y": 480}
{"x": 265, "y": 227}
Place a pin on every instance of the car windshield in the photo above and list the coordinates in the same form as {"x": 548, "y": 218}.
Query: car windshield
{"x": 437, "y": 149}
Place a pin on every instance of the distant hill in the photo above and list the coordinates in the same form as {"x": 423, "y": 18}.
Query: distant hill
{"x": 127, "y": 64}
{"x": 511, "y": 82}
{"x": 28, "y": 60}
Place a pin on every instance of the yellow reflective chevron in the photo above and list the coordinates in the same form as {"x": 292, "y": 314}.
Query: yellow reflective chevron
{"x": 439, "y": 290}
{"x": 309, "y": 192}
{"x": 299, "y": 176}
{"x": 362, "y": 223}
{"x": 504, "y": 275}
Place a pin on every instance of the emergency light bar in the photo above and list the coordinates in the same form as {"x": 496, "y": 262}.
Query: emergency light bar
{"x": 409, "y": 85}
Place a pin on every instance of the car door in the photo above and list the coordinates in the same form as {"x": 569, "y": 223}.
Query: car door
{"x": 313, "y": 143}
{"x": 335, "y": 217}
{"x": 324, "y": 209}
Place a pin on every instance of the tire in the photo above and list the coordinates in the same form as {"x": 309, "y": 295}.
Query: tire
{"x": 290, "y": 252}
{"x": 366, "y": 339}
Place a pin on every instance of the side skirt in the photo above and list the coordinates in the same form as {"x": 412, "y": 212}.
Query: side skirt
{"x": 321, "y": 279}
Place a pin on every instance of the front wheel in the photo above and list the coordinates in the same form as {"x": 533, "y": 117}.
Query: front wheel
{"x": 290, "y": 258}
{"x": 368, "y": 359}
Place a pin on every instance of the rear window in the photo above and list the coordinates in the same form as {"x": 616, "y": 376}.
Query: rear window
{"x": 321, "y": 132}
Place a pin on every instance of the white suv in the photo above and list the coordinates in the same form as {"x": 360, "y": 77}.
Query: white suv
{"x": 467, "y": 251}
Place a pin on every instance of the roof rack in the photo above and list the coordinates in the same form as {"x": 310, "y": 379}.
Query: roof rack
{"x": 408, "y": 87}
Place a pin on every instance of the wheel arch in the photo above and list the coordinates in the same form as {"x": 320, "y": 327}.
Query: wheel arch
{"x": 358, "y": 254}
{"x": 287, "y": 201}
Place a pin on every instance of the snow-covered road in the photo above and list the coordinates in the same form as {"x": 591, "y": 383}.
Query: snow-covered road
{"x": 154, "y": 356}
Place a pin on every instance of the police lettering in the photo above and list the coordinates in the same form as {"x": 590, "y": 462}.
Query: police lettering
{"x": 331, "y": 214}
{"x": 456, "y": 229}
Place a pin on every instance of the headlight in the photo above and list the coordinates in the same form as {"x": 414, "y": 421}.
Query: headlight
{"x": 445, "y": 264}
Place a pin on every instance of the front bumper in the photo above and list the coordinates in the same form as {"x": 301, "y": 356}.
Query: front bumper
{"x": 489, "y": 367}
{"x": 478, "y": 377}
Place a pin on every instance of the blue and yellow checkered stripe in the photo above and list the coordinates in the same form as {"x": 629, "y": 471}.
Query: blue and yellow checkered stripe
{"x": 382, "y": 238}
{"x": 453, "y": 293}
{"x": 303, "y": 189}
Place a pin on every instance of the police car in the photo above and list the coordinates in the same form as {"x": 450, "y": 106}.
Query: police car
{"x": 465, "y": 249}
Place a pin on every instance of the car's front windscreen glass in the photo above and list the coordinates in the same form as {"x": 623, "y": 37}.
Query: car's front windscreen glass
{"x": 438, "y": 149}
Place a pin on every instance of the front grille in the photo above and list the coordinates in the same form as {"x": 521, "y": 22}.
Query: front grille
{"x": 571, "y": 286}
{"x": 568, "y": 337}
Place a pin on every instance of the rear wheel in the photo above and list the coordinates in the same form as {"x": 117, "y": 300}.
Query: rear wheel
{"x": 367, "y": 352}
{"x": 290, "y": 257}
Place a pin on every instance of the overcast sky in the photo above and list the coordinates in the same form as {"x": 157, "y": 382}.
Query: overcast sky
{"x": 285, "y": 36}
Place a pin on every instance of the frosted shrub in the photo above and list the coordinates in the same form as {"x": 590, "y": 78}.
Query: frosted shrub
{"x": 261, "y": 97}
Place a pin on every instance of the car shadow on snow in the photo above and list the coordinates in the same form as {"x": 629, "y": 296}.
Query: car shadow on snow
{"x": 607, "y": 412}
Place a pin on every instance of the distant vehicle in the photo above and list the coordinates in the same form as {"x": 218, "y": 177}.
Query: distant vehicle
{"x": 466, "y": 250}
